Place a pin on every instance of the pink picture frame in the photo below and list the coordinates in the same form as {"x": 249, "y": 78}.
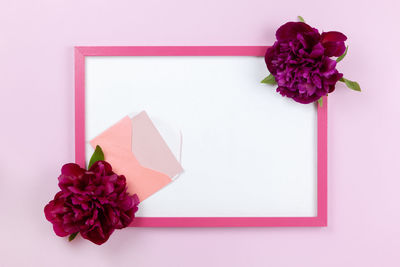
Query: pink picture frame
{"x": 318, "y": 221}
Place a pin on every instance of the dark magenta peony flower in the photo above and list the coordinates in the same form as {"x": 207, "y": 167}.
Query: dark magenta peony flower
{"x": 93, "y": 202}
{"x": 300, "y": 61}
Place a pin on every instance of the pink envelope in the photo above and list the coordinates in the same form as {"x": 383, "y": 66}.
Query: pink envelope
{"x": 135, "y": 149}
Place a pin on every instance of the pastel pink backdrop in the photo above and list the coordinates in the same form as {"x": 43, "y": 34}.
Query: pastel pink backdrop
{"x": 36, "y": 83}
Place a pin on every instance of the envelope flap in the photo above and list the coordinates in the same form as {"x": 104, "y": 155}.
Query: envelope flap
{"x": 150, "y": 148}
{"x": 120, "y": 135}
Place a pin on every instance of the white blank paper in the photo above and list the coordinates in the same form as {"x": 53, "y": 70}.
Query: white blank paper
{"x": 246, "y": 151}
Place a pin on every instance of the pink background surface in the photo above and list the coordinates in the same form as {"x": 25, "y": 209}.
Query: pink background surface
{"x": 36, "y": 82}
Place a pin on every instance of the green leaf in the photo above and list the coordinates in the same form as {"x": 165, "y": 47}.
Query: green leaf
{"x": 320, "y": 101}
{"x": 97, "y": 156}
{"x": 270, "y": 79}
{"x": 351, "y": 84}
{"x": 72, "y": 236}
{"x": 301, "y": 19}
{"x": 343, "y": 55}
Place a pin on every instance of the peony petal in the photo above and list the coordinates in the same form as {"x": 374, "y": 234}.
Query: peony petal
{"x": 109, "y": 188}
{"x": 269, "y": 57}
{"x": 97, "y": 235}
{"x": 316, "y": 79}
{"x": 101, "y": 167}
{"x": 135, "y": 199}
{"x": 328, "y": 67}
{"x": 333, "y": 36}
{"x": 72, "y": 169}
{"x": 317, "y": 51}
{"x": 284, "y": 91}
{"x": 290, "y": 30}
{"x": 311, "y": 88}
{"x": 126, "y": 220}
{"x": 127, "y": 203}
{"x": 331, "y": 88}
{"x": 58, "y": 229}
{"x": 302, "y": 88}
{"x": 54, "y": 207}
{"x": 306, "y": 99}
{"x": 48, "y": 211}
{"x": 334, "y": 49}
{"x": 309, "y": 39}
{"x": 333, "y": 43}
